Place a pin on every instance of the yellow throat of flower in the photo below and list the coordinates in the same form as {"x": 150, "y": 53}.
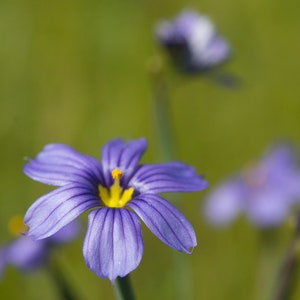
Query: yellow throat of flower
{"x": 115, "y": 196}
{"x": 17, "y": 226}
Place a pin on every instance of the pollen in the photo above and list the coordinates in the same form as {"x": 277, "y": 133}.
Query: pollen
{"x": 116, "y": 173}
{"x": 17, "y": 226}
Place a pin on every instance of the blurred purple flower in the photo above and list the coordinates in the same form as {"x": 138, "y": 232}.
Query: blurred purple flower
{"x": 27, "y": 254}
{"x": 265, "y": 192}
{"x": 119, "y": 190}
{"x": 192, "y": 42}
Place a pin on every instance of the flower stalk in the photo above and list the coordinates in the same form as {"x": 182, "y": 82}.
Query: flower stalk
{"x": 123, "y": 288}
{"x": 60, "y": 282}
{"x": 287, "y": 274}
{"x": 166, "y": 140}
{"x": 165, "y": 135}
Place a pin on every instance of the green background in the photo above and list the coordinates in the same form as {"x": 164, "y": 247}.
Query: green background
{"x": 76, "y": 72}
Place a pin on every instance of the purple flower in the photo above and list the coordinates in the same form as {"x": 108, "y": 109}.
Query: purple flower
{"x": 192, "y": 42}
{"x": 265, "y": 192}
{"x": 27, "y": 254}
{"x": 119, "y": 191}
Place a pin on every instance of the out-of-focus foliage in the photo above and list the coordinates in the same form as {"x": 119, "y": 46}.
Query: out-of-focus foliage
{"x": 77, "y": 72}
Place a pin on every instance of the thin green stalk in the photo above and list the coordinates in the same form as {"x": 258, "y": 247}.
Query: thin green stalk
{"x": 182, "y": 276}
{"x": 267, "y": 241}
{"x": 165, "y": 134}
{"x": 166, "y": 140}
{"x": 60, "y": 282}
{"x": 123, "y": 288}
{"x": 287, "y": 276}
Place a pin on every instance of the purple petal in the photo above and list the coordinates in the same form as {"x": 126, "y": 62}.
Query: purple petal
{"x": 187, "y": 20}
{"x": 165, "y": 221}
{"x": 125, "y": 156}
{"x": 66, "y": 234}
{"x": 268, "y": 209}
{"x": 113, "y": 245}
{"x": 225, "y": 202}
{"x": 168, "y": 177}
{"x": 280, "y": 157}
{"x": 215, "y": 53}
{"x": 26, "y": 253}
{"x": 180, "y": 29}
{"x": 60, "y": 164}
{"x": 281, "y": 170}
{"x": 56, "y": 209}
{"x": 3, "y": 260}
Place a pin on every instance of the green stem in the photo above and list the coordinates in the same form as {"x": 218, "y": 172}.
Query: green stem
{"x": 166, "y": 140}
{"x": 182, "y": 276}
{"x": 288, "y": 273}
{"x": 165, "y": 134}
{"x": 123, "y": 288}
{"x": 60, "y": 282}
{"x": 267, "y": 241}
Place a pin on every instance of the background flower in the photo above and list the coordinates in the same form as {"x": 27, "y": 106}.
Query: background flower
{"x": 27, "y": 254}
{"x": 192, "y": 42}
{"x": 265, "y": 191}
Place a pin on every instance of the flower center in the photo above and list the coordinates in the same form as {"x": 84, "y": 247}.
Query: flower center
{"x": 115, "y": 196}
{"x": 254, "y": 176}
{"x": 16, "y": 226}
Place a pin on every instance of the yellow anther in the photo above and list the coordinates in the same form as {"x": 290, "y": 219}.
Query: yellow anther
{"x": 17, "y": 226}
{"x": 116, "y": 173}
{"x": 115, "y": 196}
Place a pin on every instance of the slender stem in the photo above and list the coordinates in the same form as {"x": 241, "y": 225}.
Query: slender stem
{"x": 164, "y": 126}
{"x": 123, "y": 288}
{"x": 267, "y": 241}
{"x": 60, "y": 282}
{"x": 166, "y": 140}
{"x": 182, "y": 276}
{"x": 288, "y": 272}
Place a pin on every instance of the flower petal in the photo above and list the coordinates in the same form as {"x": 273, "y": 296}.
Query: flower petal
{"x": 167, "y": 177}
{"x": 26, "y": 253}
{"x": 268, "y": 209}
{"x": 66, "y": 234}
{"x": 165, "y": 221}
{"x": 113, "y": 245}
{"x": 60, "y": 164}
{"x": 125, "y": 156}
{"x": 281, "y": 172}
{"x": 217, "y": 51}
{"x": 56, "y": 209}
{"x": 225, "y": 202}
{"x": 281, "y": 157}
{"x": 3, "y": 260}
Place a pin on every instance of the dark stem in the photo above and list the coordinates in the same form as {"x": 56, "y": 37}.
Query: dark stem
{"x": 60, "y": 282}
{"x": 123, "y": 288}
{"x": 288, "y": 272}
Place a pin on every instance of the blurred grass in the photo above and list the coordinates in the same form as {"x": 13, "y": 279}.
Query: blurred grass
{"x": 76, "y": 72}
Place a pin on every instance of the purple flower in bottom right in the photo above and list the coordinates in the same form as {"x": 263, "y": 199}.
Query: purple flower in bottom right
{"x": 265, "y": 191}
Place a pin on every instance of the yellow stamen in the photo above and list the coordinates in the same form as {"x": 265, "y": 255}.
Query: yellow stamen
{"x": 116, "y": 173}
{"x": 115, "y": 196}
{"x": 17, "y": 226}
